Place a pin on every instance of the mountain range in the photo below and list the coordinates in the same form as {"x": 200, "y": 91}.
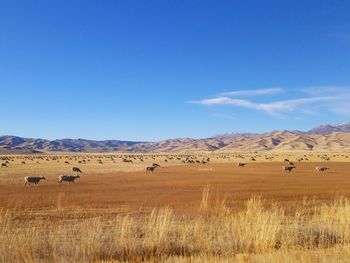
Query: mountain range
{"x": 322, "y": 138}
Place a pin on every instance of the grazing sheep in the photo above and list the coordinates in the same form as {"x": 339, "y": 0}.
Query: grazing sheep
{"x": 150, "y": 169}
{"x": 287, "y": 168}
{"x": 76, "y": 169}
{"x": 67, "y": 178}
{"x": 28, "y": 180}
{"x": 321, "y": 169}
{"x": 241, "y": 164}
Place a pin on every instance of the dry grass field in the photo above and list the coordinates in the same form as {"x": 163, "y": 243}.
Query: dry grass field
{"x": 191, "y": 209}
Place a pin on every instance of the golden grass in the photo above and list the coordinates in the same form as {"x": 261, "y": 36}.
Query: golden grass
{"x": 99, "y": 219}
{"x": 216, "y": 233}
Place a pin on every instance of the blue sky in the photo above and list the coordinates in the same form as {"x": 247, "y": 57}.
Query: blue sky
{"x": 151, "y": 70}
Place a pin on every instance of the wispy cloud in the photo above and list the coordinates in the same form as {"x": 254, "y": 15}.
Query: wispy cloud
{"x": 255, "y": 92}
{"x": 332, "y": 98}
{"x": 225, "y": 101}
{"x": 340, "y": 105}
{"x": 272, "y": 107}
{"x": 290, "y": 105}
{"x": 326, "y": 90}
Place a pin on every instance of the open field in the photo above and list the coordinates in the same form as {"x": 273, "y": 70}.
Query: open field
{"x": 183, "y": 212}
{"x": 109, "y": 182}
{"x": 180, "y": 187}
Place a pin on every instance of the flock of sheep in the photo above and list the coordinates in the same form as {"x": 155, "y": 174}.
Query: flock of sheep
{"x": 34, "y": 180}
{"x": 185, "y": 159}
{"x": 289, "y": 166}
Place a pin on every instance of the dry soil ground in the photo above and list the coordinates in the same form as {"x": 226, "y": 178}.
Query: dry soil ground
{"x": 179, "y": 187}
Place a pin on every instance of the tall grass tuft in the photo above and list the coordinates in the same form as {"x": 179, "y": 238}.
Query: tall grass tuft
{"x": 215, "y": 234}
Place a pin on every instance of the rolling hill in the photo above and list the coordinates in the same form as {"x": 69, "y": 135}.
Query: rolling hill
{"x": 326, "y": 129}
{"x": 323, "y": 138}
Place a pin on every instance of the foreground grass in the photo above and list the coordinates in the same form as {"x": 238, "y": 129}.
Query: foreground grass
{"x": 215, "y": 234}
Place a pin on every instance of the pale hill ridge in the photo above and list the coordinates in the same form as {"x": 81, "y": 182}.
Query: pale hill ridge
{"x": 328, "y": 128}
{"x": 323, "y": 138}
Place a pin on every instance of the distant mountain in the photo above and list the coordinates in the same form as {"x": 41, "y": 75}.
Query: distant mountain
{"x": 322, "y": 138}
{"x": 326, "y": 129}
{"x": 10, "y": 143}
{"x": 234, "y": 135}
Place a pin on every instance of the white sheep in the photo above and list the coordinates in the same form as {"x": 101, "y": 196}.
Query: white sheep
{"x": 67, "y": 178}
{"x": 28, "y": 180}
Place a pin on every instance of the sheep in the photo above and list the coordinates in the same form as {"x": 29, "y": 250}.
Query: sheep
{"x": 287, "y": 168}
{"x": 76, "y": 169}
{"x": 150, "y": 169}
{"x": 67, "y": 178}
{"x": 28, "y": 180}
{"x": 321, "y": 169}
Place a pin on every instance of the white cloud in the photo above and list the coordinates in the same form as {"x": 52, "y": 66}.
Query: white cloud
{"x": 292, "y": 104}
{"x": 225, "y": 101}
{"x": 332, "y": 99}
{"x": 256, "y": 92}
{"x": 272, "y": 107}
{"x": 340, "y": 105}
{"x": 326, "y": 90}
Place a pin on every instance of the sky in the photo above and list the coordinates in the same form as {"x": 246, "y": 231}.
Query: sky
{"x": 153, "y": 70}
